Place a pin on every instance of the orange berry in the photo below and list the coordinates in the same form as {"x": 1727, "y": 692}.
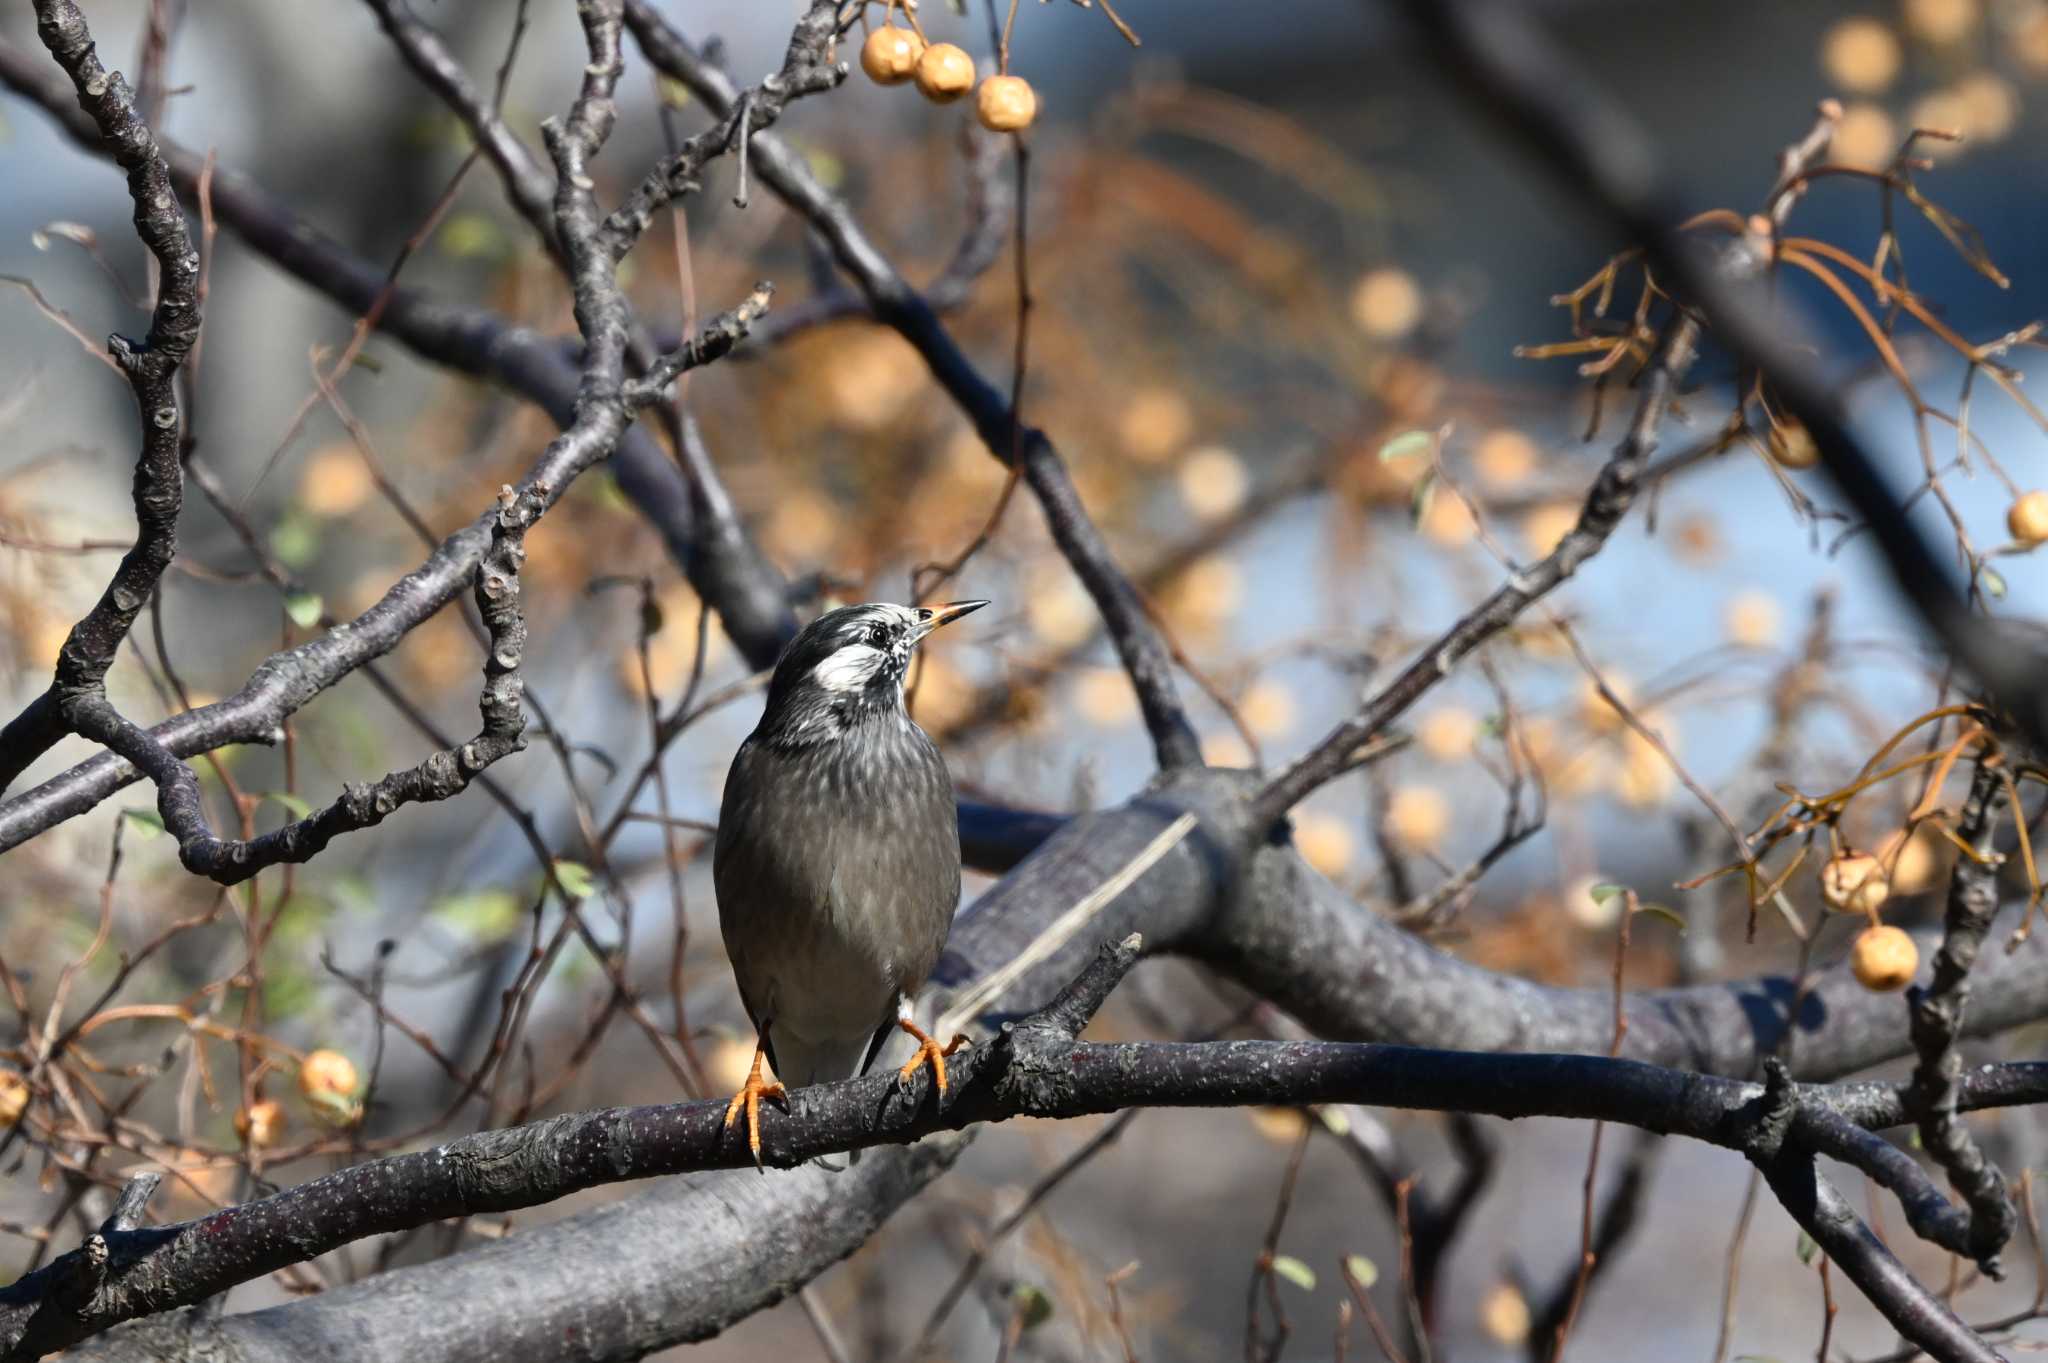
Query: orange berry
{"x": 1792, "y": 447}
{"x": 1919, "y": 863}
{"x": 2028, "y": 518}
{"x": 1884, "y": 959}
{"x": 13, "y": 1098}
{"x": 1006, "y": 104}
{"x": 1418, "y": 816}
{"x": 890, "y": 55}
{"x": 1861, "y": 54}
{"x": 327, "y": 1074}
{"x": 944, "y": 73}
{"x": 261, "y": 1123}
{"x": 1854, "y": 882}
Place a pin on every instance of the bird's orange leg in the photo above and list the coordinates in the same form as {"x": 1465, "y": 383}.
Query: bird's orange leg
{"x": 929, "y": 1052}
{"x": 749, "y": 1097}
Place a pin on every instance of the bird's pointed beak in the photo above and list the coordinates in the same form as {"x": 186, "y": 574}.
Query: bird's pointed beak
{"x": 935, "y": 616}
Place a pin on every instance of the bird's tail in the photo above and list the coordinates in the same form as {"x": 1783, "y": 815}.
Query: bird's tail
{"x": 800, "y": 1062}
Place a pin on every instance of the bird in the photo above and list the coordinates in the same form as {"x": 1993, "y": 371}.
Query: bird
{"x": 837, "y": 860}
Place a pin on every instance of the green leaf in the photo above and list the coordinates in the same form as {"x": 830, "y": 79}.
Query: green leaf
{"x": 1425, "y": 493}
{"x": 298, "y": 808}
{"x": 673, "y": 92}
{"x": 1994, "y": 584}
{"x": 1295, "y": 1271}
{"x": 1334, "y": 1121}
{"x": 472, "y": 236}
{"x": 295, "y": 540}
{"x": 302, "y": 918}
{"x": 1669, "y": 915}
{"x": 1364, "y": 1270}
{"x": 335, "y": 1109}
{"x": 147, "y": 822}
{"x": 575, "y": 879}
{"x": 304, "y": 608}
{"x": 1405, "y": 445}
{"x": 1807, "y": 1248}
{"x": 481, "y": 915}
{"x": 1600, "y": 894}
{"x": 1033, "y": 1307}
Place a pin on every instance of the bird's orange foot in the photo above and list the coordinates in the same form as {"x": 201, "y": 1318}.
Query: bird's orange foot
{"x": 929, "y": 1052}
{"x": 749, "y": 1098}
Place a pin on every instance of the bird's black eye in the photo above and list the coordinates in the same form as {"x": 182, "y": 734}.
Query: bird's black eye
{"x": 878, "y": 635}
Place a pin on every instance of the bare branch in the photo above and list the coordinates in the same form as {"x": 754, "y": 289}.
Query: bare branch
{"x": 1938, "y": 1018}
{"x": 897, "y": 304}
{"x": 150, "y": 367}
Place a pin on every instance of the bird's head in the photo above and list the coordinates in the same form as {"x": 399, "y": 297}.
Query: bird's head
{"x": 847, "y": 666}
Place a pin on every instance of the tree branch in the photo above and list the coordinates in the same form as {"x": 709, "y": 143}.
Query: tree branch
{"x": 896, "y": 303}
{"x": 1510, "y": 67}
{"x": 1612, "y": 494}
{"x": 150, "y": 367}
{"x": 1036, "y": 1067}
{"x": 1938, "y": 1011}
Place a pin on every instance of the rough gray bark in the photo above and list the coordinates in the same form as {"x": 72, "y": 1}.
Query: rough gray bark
{"x": 1248, "y": 905}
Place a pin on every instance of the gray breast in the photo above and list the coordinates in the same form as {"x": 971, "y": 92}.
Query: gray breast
{"x": 837, "y": 870}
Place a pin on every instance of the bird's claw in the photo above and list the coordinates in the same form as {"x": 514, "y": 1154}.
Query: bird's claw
{"x": 929, "y": 1052}
{"x": 748, "y": 1099}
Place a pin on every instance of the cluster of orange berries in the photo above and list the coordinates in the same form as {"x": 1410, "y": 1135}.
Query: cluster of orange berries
{"x": 328, "y": 1082}
{"x": 944, "y": 73}
{"x": 2027, "y": 518}
{"x": 1884, "y": 957}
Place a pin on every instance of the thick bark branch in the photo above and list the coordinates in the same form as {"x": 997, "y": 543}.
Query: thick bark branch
{"x": 1036, "y": 1068}
{"x": 1251, "y": 907}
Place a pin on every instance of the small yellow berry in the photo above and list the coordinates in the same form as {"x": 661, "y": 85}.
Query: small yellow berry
{"x": 1324, "y": 841}
{"x": 1792, "y": 447}
{"x": 1545, "y": 527}
{"x": 1418, "y": 816}
{"x": 1448, "y": 734}
{"x": 2028, "y": 518}
{"x": 1941, "y": 23}
{"x": 1751, "y": 620}
{"x": 261, "y": 1123}
{"x": 1387, "y": 303}
{"x": 1006, "y": 104}
{"x": 327, "y": 1074}
{"x": 730, "y": 1061}
{"x": 1213, "y": 482}
{"x": 944, "y": 73}
{"x": 1154, "y": 425}
{"x": 1884, "y": 959}
{"x": 1861, "y": 54}
{"x": 1866, "y": 138}
{"x": 13, "y": 1098}
{"x": 1504, "y": 1315}
{"x": 890, "y": 55}
{"x": 1854, "y": 882}
{"x": 1268, "y": 709}
{"x": 1506, "y": 457}
{"x": 1919, "y": 863}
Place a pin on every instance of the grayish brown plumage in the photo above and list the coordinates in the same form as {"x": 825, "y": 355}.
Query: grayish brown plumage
{"x": 838, "y": 856}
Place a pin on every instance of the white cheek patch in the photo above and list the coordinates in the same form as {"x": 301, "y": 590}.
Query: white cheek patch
{"x": 850, "y": 669}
